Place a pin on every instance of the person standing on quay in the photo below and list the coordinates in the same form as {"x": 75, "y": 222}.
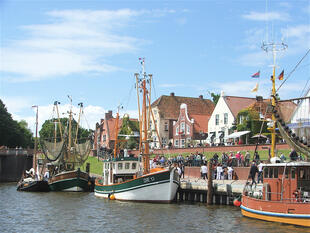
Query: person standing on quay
{"x": 253, "y": 171}
{"x": 204, "y": 171}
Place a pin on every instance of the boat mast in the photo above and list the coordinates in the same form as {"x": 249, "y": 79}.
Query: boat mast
{"x": 78, "y": 124}
{"x": 116, "y": 133}
{"x": 274, "y": 47}
{"x": 70, "y": 127}
{"x": 34, "y": 163}
{"x": 57, "y": 110}
{"x": 144, "y": 116}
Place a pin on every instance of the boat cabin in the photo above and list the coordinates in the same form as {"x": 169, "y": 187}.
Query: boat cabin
{"x": 287, "y": 182}
{"x": 118, "y": 170}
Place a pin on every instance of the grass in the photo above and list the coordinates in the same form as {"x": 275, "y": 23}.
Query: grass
{"x": 96, "y": 165}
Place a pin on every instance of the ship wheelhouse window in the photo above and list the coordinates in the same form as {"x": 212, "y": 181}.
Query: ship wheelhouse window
{"x": 293, "y": 172}
{"x": 120, "y": 166}
{"x": 265, "y": 172}
{"x": 287, "y": 172}
{"x": 127, "y": 165}
{"x": 113, "y": 165}
{"x": 302, "y": 174}
{"x": 275, "y": 172}
{"x": 133, "y": 166}
{"x": 271, "y": 172}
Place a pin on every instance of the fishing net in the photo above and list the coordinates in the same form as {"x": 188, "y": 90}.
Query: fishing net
{"x": 52, "y": 150}
{"x": 82, "y": 150}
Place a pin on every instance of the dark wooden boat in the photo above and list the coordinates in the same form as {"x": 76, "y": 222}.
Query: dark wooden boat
{"x": 31, "y": 185}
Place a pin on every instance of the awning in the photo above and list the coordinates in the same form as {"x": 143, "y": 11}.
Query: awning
{"x": 237, "y": 134}
{"x": 259, "y": 136}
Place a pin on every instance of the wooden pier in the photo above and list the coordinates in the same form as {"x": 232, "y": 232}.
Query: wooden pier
{"x": 224, "y": 191}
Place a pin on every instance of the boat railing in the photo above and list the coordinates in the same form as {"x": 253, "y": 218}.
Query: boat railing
{"x": 299, "y": 197}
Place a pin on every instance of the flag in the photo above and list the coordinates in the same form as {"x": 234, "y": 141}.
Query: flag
{"x": 256, "y": 75}
{"x": 255, "y": 88}
{"x": 280, "y": 77}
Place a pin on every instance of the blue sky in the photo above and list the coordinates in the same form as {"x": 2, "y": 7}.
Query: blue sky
{"x": 90, "y": 50}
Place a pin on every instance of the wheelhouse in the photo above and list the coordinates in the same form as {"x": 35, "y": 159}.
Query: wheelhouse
{"x": 287, "y": 182}
{"x": 118, "y": 170}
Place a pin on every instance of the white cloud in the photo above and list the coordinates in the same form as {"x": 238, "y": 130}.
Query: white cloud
{"x": 74, "y": 41}
{"x": 258, "y": 16}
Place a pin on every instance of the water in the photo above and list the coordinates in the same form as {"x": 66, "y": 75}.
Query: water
{"x": 83, "y": 212}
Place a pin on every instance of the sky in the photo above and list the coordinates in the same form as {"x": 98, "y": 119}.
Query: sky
{"x": 90, "y": 50}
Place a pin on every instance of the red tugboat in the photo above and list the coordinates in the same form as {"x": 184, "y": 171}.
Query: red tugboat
{"x": 286, "y": 188}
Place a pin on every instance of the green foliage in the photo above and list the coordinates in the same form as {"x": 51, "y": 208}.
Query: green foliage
{"x": 128, "y": 128}
{"x": 215, "y": 97}
{"x": 12, "y": 133}
{"x": 250, "y": 121}
{"x": 48, "y": 129}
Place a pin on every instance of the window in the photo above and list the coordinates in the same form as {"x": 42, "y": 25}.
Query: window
{"x": 177, "y": 130}
{"x": 270, "y": 172}
{"x": 276, "y": 172}
{"x": 182, "y": 143}
{"x": 187, "y": 129}
{"x": 166, "y": 126}
{"x": 105, "y": 165}
{"x": 176, "y": 142}
{"x": 225, "y": 118}
{"x": 183, "y": 127}
{"x": 217, "y": 119}
{"x": 113, "y": 165}
{"x": 133, "y": 166}
{"x": 127, "y": 165}
{"x": 293, "y": 172}
{"x": 120, "y": 166}
{"x": 266, "y": 172}
{"x": 287, "y": 172}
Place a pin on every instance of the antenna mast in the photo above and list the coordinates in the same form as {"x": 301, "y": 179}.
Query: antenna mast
{"x": 274, "y": 48}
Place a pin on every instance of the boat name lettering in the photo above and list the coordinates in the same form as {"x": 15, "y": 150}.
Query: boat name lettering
{"x": 148, "y": 179}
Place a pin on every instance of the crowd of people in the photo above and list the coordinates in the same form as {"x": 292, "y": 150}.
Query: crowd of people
{"x": 222, "y": 166}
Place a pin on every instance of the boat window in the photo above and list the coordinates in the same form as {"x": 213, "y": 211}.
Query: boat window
{"x": 108, "y": 165}
{"x": 302, "y": 174}
{"x": 120, "y": 166}
{"x": 293, "y": 172}
{"x": 113, "y": 165}
{"x": 265, "y": 172}
{"x": 105, "y": 165}
{"x": 276, "y": 172}
{"x": 127, "y": 165}
{"x": 287, "y": 172}
{"x": 271, "y": 172}
{"x": 133, "y": 165}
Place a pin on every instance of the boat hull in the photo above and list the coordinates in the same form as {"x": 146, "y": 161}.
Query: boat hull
{"x": 158, "y": 187}
{"x": 72, "y": 181}
{"x": 289, "y": 213}
{"x": 34, "y": 186}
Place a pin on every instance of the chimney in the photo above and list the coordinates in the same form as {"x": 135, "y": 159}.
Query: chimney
{"x": 172, "y": 94}
{"x": 108, "y": 115}
{"x": 201, "y": 97}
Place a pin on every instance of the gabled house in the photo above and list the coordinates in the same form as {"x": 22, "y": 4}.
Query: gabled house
{"x": 189, "y": 127}
{"x": 224, "y": 117}
{"x": 166, "y": 111}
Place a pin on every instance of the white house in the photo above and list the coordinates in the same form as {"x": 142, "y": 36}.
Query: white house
{"x": 224, "y": 116}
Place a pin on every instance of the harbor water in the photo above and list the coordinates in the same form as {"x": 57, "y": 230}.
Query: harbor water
{"x": 83, "y": 212}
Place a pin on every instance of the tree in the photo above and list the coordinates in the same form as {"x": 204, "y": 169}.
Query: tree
{"x": 215, "y": 97}
{"x": 248, "y": 119}
{"x": 47, "y": 131}
{"x": 128, "y": 128}
{"x": 12, "y": 133}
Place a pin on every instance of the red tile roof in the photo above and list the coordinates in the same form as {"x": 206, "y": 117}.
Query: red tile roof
{"x": 200, "y": 122}
{"x": 236, "y": 104}
{"x": 169, "y": 106}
